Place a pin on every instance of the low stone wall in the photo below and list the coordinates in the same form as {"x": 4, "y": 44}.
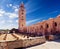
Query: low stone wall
{"x": 15, "y": 44}
{"x": 33, "y": 41}
{"x": 22, "y": 43}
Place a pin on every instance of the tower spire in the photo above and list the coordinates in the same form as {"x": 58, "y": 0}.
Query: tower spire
{"x": 22, "y": 4}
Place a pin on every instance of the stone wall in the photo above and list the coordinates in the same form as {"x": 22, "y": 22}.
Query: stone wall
{"x": 33, "y": 41}
{"x": 50, "y": 26}
{"x": 22, "y": 43}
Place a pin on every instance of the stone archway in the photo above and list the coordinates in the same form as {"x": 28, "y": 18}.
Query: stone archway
{"x": 46, "y": 31}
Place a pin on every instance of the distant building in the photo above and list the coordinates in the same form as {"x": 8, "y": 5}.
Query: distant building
{"x": 4, "y": 31}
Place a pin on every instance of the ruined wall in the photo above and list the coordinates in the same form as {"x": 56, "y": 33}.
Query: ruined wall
{"x": 33, "y": 41}
{"x": 22, "y": 43}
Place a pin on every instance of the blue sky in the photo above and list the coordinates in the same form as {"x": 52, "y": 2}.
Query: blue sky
{"x": 36, "y": 11}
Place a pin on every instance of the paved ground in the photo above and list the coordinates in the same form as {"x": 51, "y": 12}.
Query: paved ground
{"x": 48, "y": 45}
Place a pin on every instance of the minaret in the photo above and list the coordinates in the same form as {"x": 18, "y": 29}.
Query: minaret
{"x": 22, "y": 17}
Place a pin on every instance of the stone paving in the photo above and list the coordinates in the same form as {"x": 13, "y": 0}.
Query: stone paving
{"x": 47, "y": 45}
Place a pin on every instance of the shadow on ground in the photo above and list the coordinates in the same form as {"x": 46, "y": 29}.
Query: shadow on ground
{"x": 20, "y": 48}
{"x": 57, "y": 40}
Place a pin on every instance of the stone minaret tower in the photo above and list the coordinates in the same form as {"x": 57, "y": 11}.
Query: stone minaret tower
{"x": 22, "y": 17}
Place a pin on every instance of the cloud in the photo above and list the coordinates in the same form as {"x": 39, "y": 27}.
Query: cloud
{"x": 31, "y": 21}
{"x": 14, "y": 7}
{"x": 16, "y": 10}
{"x": 2, "y": 22}
{"x": 34, "y": 21}
{"x": 8, "y": 14}
{"x": 30, "y": 11}
{"x": 2, "y": 12}
{"x": 53, "y": 12}
{"x": 17, "y": 21}
{"x": 28, "y": 4}
{"x": 10, "y": 21}
{"x": 12, "y": 15}
{"x": 8, "y": 26}
{"x": 9, "y": 5}
{"x": 7, "y": 19}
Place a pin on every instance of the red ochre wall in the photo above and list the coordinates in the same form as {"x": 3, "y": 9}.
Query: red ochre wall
{"x": 57, "y": 20}
{"x": 50, "y": 26}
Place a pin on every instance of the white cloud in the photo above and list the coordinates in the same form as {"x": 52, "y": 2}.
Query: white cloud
{"x": 15, "y": 13}
{"x": 12, "y": 26}
{"x": 50, "y": 18}
{"x": 16, "y": 10}
{"x": 9, "y": 5}
{"x": 53, "y": 12}
{"x": 30, "y": 11}
{"x": 9, "y": 17}
{"x": 17, "y": 21}
{"x": 14, "y": 7}
{"x": 2, "y": 12}
{"x": 12, "y": 15}
{"x": 44, "y": 20}
{"x": 4, "y": 15}
{"x": 10, "y": 21}
{"x": 31, "y": 21}
{"x": 8, "y": 14}
{"x": 2, "y": 22}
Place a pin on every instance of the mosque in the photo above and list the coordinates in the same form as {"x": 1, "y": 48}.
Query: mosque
{"x": 47, "y": 27}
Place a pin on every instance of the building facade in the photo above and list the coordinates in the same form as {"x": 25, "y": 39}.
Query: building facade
{"x": 50, "y": 26}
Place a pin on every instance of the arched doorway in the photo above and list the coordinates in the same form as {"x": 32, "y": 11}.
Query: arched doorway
{"x": 46, "y": 31}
